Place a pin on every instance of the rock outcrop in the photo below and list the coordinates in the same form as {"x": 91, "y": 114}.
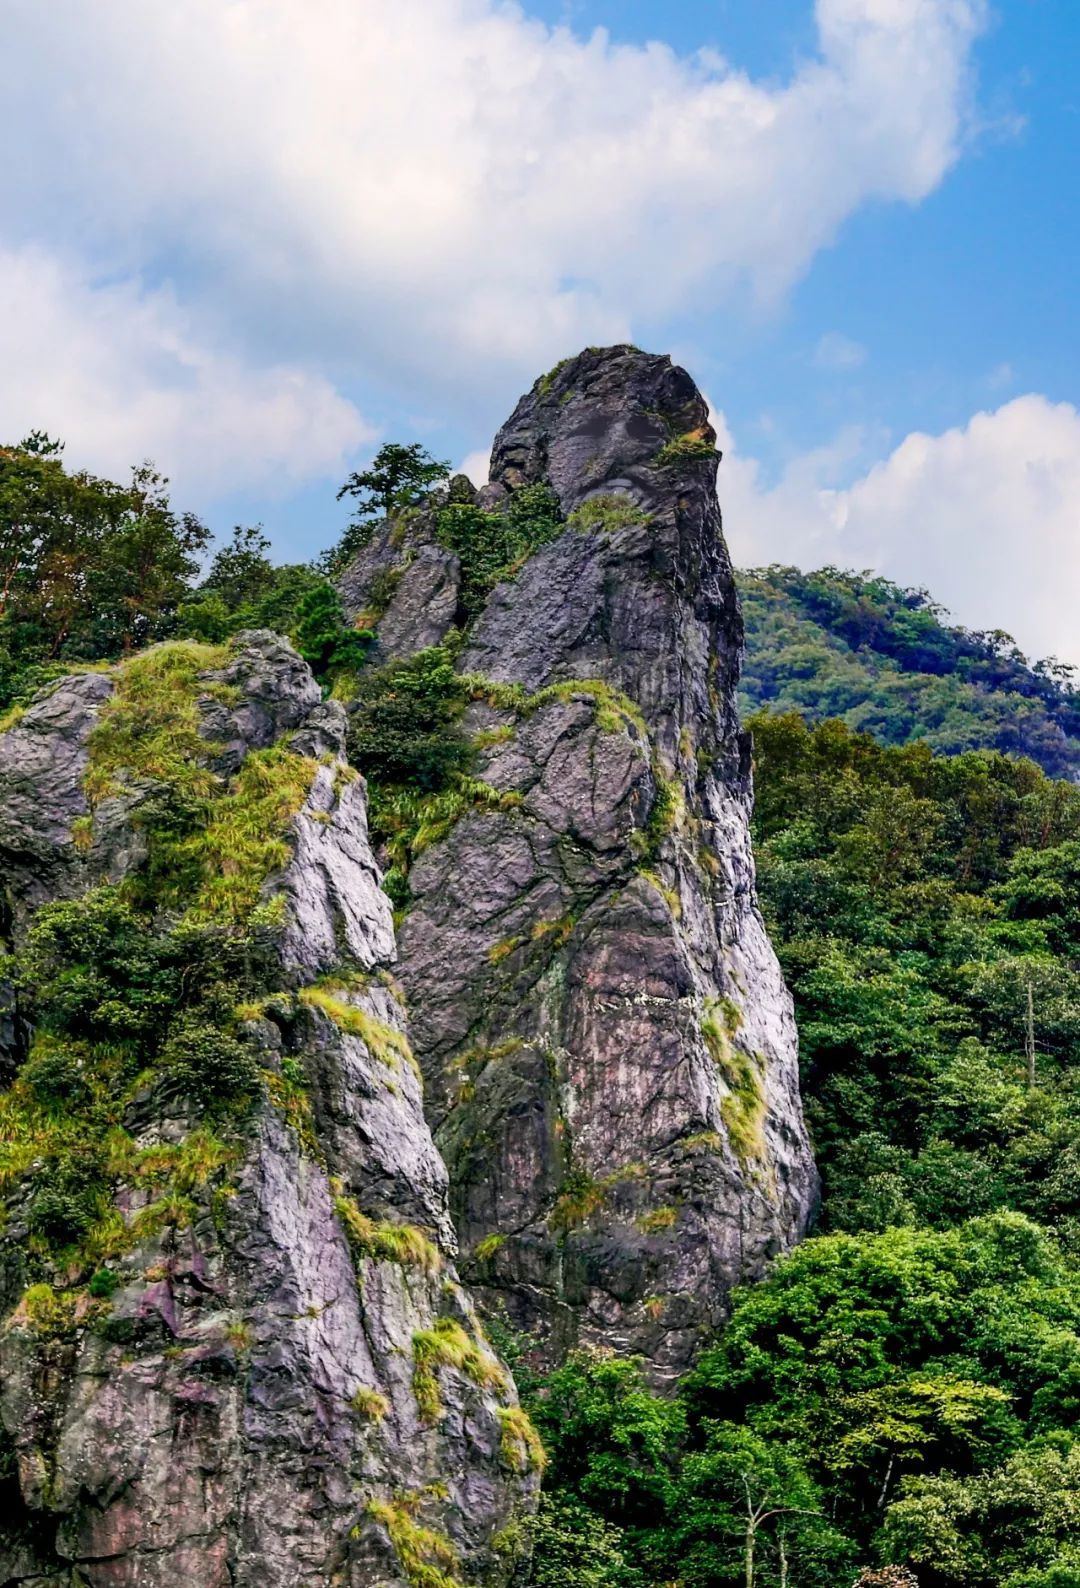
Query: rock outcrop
{"x": 608, "y": 1046}
{"x": 258, "y": 1365}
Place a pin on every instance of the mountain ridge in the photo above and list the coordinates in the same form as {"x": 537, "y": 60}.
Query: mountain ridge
{"x": 885, "y": 659}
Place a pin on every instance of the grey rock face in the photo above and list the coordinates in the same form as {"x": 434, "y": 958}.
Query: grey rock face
{"x": 608, "y": 1046}
{"x": 243, "y": 1411}
{"x": 42, "y": 760}
{"x": 406, "y": 584}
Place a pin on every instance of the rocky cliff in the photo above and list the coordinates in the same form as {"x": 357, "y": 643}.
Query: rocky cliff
{"x": 234, "y": 1345}
{"x": 235, "y": 1349}
{"x": 607, "y": 1044}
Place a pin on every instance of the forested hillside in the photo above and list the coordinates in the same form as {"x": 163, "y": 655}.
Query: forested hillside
{"x": 888, "y": 661}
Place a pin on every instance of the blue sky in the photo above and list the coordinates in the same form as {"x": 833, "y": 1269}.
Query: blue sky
{"x": 254, "y": 237}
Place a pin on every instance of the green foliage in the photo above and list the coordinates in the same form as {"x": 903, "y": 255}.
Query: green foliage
{"x": 104, "y": 1283}
{"x": 910, "y": 1351}
{"x": 397, "y": 477}
{"x": 64, "y": 1205}
{"x": 106, "y": 990}
{"x": 404, "y": 722}
{"x": 369, "y": 1404}
{"x": 667, "y": 809}
{"x": 93, "y": 974}
{"x": 322, "y": 636}
{"x": 213, "y": 844}
{"x": 89, "y": 570}
{"x": 242, "y": 839}
{"x": 916, "y": 901}
{"x": 446, "y": 1345}
{"x": 610, "y": 1440}
{"x": 519, "y": 1443}
{"x": 149, "y": 727}
{"x": 427, "y": 1557}
{"x": 887, "y": 661}
{"x": 1018, "y": 1524}
{"x": 405, "y": 735}
{"x": 573, "y": 1547}
{"x": 546, "y": 381}
{"x": 492, "y": 546}
{"x": 689, "y": 448}
{"x": 203, "y": 1060}
{"x": 45, "y": 1312}
{"x": 747, "y": 1506}
{"x": 54, "y": 1075}
{"x": 125, "y": 992}
{"x": 903, "y": 1389}
{"x": 385, "y": 1242}
{"x": 579, "y": 1198}
{"x": 608, "y": 512}
{"x": 244, "y": 590}
{"x": 385, "y": 1042}
{"x": 743, "y": 1107}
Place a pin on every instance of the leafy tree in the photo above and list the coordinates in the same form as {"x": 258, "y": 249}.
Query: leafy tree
{"x": 244, "y": 590}
{"x": 1017, "y": 1524}
{"x": 322, "y": 635}
{"x": 609, "y": 1438}
{"x": 397, "y": 476}
{"x": 884, "y": 1356}
{"x": 887, "y": 1577}
{"x": 912, "y": 943}
{"x": 573, "y": 1547}
{"x": 93, "y": 972}
{"x": 743, "y": 1500}
{"x": 404, "y": 726}
{"x": 88, "y": 569}
{"x": 241, "y": 573}
{"x": 490, "y": 544}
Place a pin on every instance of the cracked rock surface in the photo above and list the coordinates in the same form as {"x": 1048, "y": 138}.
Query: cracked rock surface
{"x": 242, "y": 1405}
{"x": 608, "y": 1046}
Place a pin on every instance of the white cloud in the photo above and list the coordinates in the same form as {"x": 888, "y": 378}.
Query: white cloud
{"x": 986, "y": 516}
{"x": 124, "y": 374}
{"x": 837, "y": 352}
{"x": 433, "y": 189}
{"x": 477, "y": 466}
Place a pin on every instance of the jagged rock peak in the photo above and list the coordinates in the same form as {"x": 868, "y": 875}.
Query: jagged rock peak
{"x": 608, "y": 1047}
{"x": 611, "y": 418}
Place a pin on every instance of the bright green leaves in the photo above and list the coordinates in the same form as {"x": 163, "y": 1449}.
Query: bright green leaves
{"x": 492, "y": 545}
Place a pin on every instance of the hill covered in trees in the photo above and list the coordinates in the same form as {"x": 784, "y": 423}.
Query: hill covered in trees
{"x": 887, "y": 660}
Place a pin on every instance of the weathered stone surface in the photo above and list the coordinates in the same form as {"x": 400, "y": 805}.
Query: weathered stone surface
{"x": 608, "y": 1046}
{"x": 42, "y": 760}
{"x": 203, "y": 1424}
{"x": 407, "y": 585}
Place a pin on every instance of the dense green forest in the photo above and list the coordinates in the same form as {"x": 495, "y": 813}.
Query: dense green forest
{"x": 897, "y": 1403}
{"x": 887, "y": 661}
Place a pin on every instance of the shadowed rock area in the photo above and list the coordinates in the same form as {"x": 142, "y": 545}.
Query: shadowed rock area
{"x": 607, "y": 1043}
